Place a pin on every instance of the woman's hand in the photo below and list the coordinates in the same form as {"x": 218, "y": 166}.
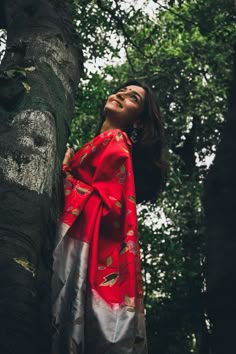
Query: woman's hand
{"x": 68, "y": 156}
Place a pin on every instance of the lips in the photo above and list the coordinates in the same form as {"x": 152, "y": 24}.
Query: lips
{"x": 118, "y": 102}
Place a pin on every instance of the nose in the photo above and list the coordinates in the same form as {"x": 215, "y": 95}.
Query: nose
{"x": 120, "y": 95}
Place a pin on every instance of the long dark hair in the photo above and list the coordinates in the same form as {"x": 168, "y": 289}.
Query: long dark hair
{"x": 149, "y": 152}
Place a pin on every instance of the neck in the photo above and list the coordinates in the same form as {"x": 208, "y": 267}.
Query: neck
{"x": 107, "y": 125}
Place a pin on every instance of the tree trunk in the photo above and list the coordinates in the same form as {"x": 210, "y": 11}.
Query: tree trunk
{"x": 191, "y": 251}
{"x": 220, "y": 208}
{"x": 38, "y": 79}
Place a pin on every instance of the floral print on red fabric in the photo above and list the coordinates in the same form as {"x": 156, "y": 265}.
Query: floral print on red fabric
{"x": 118, "y": 204}
{"x": 75, "y": 212}
{"x": 132, "y": 199}
{"x": 109, "y": 261}
{"x": 82, "y": 190}
{"x": 123, "y": 248}
{"x": 119, "y": 136}
{"x": 83, "y": 157}
{"x": 122, "y": 175}
{"x": 110, "y": 279}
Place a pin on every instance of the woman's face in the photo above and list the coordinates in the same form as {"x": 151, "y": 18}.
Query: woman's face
{"x": 124, "y": 107}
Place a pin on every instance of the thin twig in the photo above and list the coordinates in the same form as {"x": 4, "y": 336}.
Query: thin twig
{"x": 174, "y": 13}
{"x": 120, "y": 25}
{"x": 130, "y": 62}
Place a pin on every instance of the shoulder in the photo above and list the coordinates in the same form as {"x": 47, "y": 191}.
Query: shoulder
{"x": 115, "y": 136}
{"x": 112, "y": 145}
{"x": 111, "y": 142}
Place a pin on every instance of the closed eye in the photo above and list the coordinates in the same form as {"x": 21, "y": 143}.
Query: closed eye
{"x": 133, "y": 97}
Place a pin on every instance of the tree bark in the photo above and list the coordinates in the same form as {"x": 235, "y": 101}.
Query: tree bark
{"x": 220, "y": 209}
{"x": 38, "y": 79}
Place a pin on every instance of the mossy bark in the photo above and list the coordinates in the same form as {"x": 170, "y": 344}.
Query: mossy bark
{"x": 38, "y": 79}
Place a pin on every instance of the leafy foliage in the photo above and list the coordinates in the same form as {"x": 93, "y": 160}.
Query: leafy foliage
{"x": 183, "y": 50}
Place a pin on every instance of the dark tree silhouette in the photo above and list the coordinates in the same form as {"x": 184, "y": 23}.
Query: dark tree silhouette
{"x": 220, "y": 208}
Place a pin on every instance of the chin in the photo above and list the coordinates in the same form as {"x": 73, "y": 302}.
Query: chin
{"x": 111, "y": 111}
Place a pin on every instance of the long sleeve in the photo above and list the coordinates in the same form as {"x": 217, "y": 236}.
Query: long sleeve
{"x": 101, "y": 168}
{"x": 76, "y": 194}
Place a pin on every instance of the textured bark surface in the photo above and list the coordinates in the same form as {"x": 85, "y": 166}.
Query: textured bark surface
{"x": 38, "y": 79}
{"x": 220, "y": 208}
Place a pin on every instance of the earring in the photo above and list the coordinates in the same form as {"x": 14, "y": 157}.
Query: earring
{"x": 134, "y": 134}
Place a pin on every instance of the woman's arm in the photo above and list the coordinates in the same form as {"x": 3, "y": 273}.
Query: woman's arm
{"x": 66, "y": 162}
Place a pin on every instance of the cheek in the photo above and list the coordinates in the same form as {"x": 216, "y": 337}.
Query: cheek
{"x": 133, "y": 111}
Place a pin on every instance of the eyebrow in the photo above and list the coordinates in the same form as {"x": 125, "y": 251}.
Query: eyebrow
{"x": 135, "y": 92}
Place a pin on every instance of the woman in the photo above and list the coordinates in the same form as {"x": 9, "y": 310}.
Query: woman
{"x": 97, "y": 290}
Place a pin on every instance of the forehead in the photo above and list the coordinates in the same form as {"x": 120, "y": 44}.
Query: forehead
{"x": 137, "y": 89}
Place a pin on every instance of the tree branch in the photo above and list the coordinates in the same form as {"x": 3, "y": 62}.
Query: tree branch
{"x": 174, "y": 13}
{"x": 120, "y": 26}
{"x": 129, "y": 61}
